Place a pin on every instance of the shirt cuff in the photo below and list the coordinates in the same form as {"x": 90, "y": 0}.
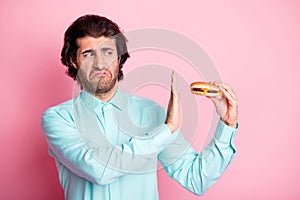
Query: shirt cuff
{"x": 225, "y": 133}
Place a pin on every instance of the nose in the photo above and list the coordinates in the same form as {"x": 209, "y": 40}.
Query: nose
{"x": 99, "y": 62}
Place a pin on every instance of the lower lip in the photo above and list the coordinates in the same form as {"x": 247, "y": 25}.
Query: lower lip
{"x": 99, "y": 74}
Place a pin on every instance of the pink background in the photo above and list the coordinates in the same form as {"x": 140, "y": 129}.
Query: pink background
{"x": 254, "y": 44}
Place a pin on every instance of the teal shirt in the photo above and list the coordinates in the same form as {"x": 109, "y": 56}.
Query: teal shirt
{"x": 110, "y": 150}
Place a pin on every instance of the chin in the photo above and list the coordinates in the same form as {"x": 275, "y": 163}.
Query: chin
{"x": 105, "y": 89}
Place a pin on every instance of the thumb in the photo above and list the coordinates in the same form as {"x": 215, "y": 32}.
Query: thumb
{"x": 215, "y": 100}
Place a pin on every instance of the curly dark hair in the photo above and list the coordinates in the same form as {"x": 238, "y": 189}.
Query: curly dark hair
{"x": 94, "y": 26}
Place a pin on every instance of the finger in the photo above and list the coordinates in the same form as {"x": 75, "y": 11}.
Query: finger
{"x": 227, "y": 88}
{"x": 217, "y": 84}
{"x": 217, "y": 99}
{"x": 227, "y": 95}
{"x": 174, "y": 84}
{"x": 173, "y": 81}
{"x": 213, "y": 99}
{"x": 230, "y": 90}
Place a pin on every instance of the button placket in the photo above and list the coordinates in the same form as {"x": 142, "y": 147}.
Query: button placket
{"x": 100, "y": 113}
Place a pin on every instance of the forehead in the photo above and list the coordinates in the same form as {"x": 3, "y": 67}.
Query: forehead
{"x": 89, "y": 42}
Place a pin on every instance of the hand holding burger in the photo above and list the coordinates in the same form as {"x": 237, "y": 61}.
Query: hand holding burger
{"x": 223, "y": 98}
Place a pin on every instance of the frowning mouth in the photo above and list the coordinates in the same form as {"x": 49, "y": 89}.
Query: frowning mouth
{"x": 98, "y": 74}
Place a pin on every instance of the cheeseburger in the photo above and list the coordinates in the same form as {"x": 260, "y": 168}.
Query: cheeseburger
{"x": 205, "y": 89}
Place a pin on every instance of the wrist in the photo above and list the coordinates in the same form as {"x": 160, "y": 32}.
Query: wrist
{"x": 171, "y": 127}
{"x": 232, "y": 124}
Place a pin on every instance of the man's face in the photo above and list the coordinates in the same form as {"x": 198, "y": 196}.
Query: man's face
{"x": 97, "y": 64}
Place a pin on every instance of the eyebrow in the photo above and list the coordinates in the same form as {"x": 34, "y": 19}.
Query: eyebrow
{"x": 102, "y": 49}
{"x": 87, "y": 51}
{"x": 106, "y": 48}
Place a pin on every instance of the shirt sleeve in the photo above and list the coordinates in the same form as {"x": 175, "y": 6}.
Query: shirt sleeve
{"x": 103, "y": 163}
{"x": 197, "y": 172}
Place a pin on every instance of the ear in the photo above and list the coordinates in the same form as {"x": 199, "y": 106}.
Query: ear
{"x": 74, "y": 63}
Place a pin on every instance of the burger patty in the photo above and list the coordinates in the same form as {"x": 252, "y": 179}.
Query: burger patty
{"x": 205, "y": 90}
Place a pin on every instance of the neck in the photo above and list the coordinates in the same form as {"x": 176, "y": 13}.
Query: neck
{"x": 107, "y": 95}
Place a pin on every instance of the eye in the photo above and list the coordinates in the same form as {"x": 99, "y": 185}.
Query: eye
{"x": 88, "y": 54}
{"x": 108, "y": 52}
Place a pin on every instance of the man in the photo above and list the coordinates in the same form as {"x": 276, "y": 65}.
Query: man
{"x": 106, "y": 143}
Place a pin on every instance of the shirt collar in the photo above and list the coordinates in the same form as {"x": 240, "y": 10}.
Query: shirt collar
{"x": 119, "y": 100}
